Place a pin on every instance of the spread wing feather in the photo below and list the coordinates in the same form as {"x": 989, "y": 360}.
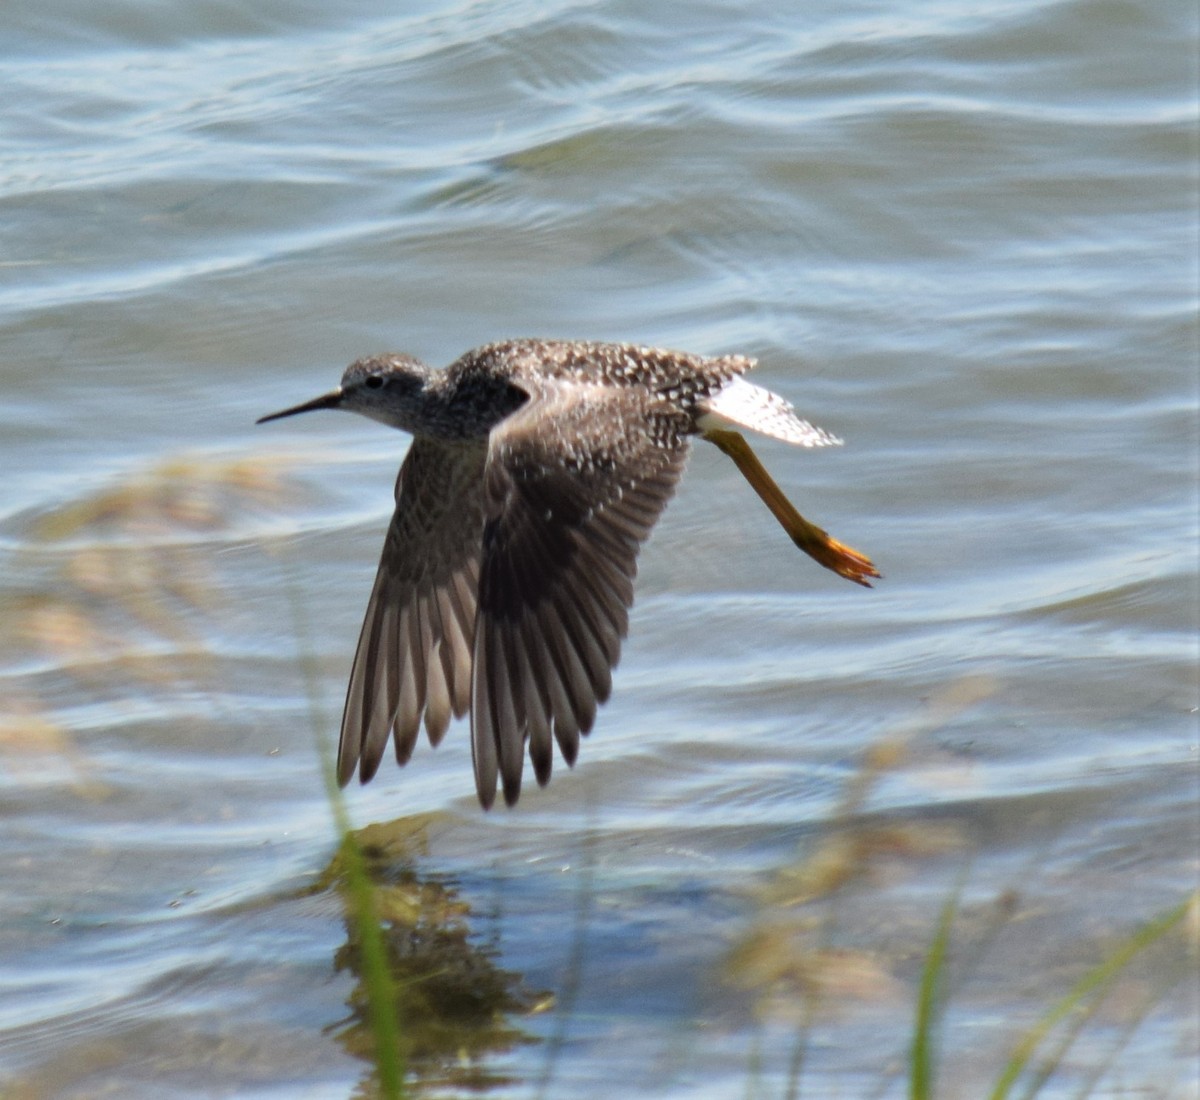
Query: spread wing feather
{"x": 414, "y": 653}
{"x": 574, "y": 482}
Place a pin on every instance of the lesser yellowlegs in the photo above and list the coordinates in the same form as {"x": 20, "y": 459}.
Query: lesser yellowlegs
{"x": 537, "y": 470}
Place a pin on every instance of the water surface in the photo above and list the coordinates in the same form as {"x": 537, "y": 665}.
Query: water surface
{"x": 964, "y": 240}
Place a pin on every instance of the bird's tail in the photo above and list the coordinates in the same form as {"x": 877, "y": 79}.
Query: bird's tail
{"x": 742, "y": 404}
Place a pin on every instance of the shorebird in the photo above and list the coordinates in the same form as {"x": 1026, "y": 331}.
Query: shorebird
{"x": 537, "y": 470}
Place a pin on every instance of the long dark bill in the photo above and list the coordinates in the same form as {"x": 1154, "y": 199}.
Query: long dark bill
{"x": 329, "y": 400}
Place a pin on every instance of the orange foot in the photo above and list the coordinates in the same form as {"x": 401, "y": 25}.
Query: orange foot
{"x": 824, "y": 549}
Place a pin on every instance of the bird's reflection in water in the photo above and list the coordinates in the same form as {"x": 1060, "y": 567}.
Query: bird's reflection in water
{"x": 454, "y": 1005}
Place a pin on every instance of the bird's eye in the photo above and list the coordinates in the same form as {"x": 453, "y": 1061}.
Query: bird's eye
{"x": 373, "y": 381}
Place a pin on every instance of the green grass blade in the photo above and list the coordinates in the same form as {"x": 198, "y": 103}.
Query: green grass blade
{"x": 360, "y": 891}
{"x": 1096, "y": 981}
{"x": 922, "y": 1059}
{"x": 1136, "y": 1019}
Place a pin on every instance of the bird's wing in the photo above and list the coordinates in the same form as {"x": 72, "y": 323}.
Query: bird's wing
{"x": 414, "y": 652}
{"x": 574, "y": 482}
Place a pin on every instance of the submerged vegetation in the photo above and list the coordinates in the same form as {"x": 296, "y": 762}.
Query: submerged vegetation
{"x": 115, "y": 591}
{"x": 791, "y": 960}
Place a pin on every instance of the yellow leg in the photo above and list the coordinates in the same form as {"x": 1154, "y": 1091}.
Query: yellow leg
{"x": 816, "y": 543}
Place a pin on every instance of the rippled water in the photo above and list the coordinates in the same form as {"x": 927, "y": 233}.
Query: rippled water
{"x": 965, "y": 239}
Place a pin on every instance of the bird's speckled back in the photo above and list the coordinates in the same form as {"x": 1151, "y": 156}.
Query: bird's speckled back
{"x": 675, "y": 375}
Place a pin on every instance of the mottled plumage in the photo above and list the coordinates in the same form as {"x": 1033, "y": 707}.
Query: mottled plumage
{"x": 537, "y": 470}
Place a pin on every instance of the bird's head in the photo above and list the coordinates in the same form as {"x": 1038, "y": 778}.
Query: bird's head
{"x": 387, "y": 388}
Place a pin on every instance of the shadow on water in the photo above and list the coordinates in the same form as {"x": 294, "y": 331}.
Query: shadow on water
{"x": 453, "y": 1003}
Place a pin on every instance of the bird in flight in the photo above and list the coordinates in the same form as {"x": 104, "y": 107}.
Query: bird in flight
{"x": 537, "y": 470}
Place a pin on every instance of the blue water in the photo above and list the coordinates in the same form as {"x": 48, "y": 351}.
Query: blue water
{"x": 963, "y": 239}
